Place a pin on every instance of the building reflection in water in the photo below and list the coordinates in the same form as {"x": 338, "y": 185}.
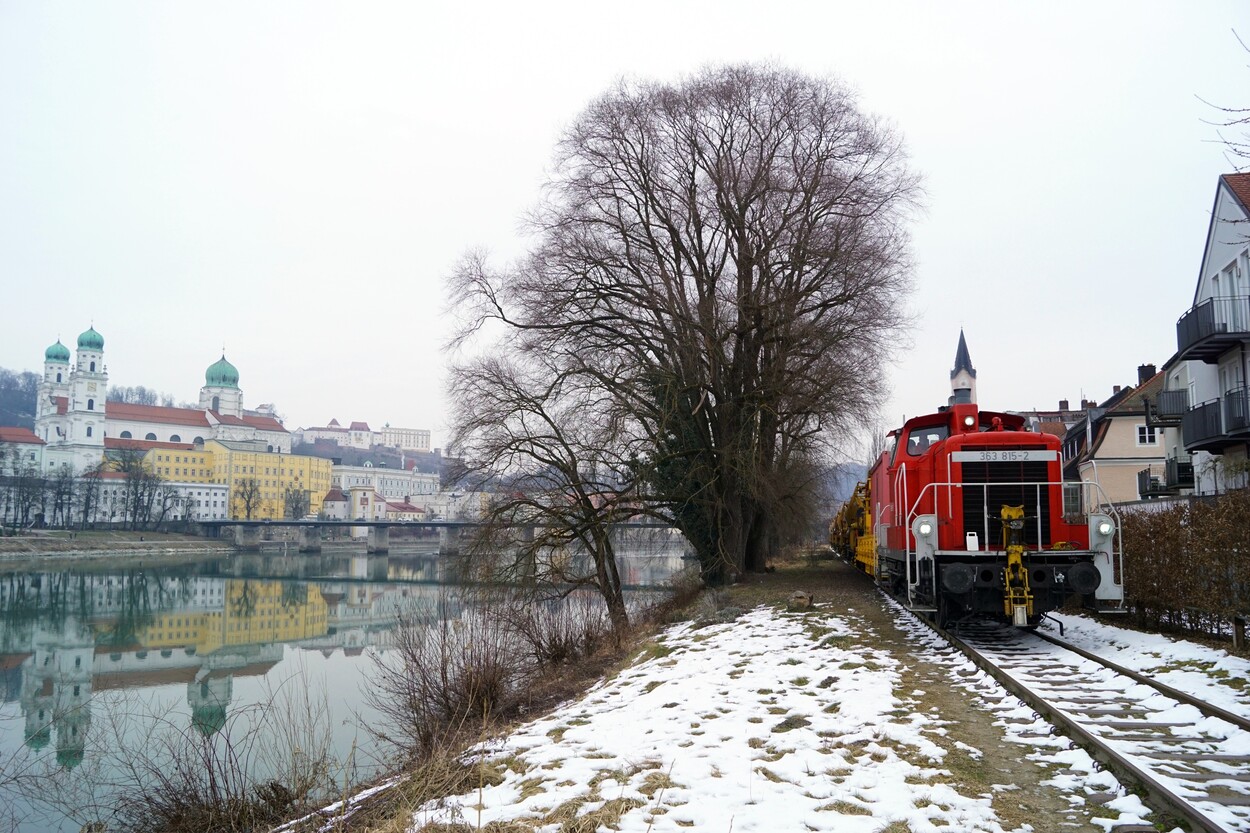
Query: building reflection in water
{"x": 65, "y": 636}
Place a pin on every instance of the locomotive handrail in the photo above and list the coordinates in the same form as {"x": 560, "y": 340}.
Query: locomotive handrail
{"x": 1101, "y": 505}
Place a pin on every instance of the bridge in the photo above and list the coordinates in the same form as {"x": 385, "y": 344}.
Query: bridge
{"x": 249, "y": 534}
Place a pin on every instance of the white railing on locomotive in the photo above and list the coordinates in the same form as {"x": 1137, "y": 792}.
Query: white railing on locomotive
{"x": 1081, "y": 500}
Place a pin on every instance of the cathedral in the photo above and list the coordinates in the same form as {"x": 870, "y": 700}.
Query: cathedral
{"x": 77, "y": 422}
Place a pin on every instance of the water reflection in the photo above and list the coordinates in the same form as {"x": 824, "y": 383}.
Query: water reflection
{"x": 203, "y": 640}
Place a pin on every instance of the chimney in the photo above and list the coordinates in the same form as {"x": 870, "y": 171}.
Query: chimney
{"x": 1063, "y": 404}
{"x": 1145, "y": 372}
{"x": 1115, "y": 389}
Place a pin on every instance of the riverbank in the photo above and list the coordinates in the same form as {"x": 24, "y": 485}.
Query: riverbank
{"x": 849, "y": 716}
{"x": 43, "y": 546}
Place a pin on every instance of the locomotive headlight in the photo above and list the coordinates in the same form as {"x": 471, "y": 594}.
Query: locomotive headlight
{"x": 924, "y": 528}
{"x": 969, "y": 421}
{"x": 1101, "y": 531}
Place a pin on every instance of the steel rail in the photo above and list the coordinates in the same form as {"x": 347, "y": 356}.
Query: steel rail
{"x": 1209, "y": 709}
{"x": 1162, "y": 797}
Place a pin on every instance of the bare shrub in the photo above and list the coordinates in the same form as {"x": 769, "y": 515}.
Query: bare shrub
{"x": 444, "y": 675}
{"x": 186, "y": 779}
{"x": 556, "y": 631}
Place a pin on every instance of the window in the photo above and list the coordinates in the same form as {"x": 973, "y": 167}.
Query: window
{"x": 90, "y": 404}
{"x": 58, "y": 377}
{"x": 88, "y": 430}
{"x": 1146, "y": 435}
{"x": 125, "y": 435}
{"x": 150, "y": 436}
{"x": 93, "y": 367}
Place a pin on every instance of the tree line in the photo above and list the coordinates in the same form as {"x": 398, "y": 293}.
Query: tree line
{"x": 136, "y": 499}
{"x": 20, "y": 389}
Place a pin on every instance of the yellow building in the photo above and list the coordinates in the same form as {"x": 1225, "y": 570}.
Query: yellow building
{"x": 264, "y": 479}
{"x": 183, "y": 464}
{"x": 251, "y": 612}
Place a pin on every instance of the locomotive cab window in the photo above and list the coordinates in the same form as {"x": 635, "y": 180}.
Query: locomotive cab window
{"x": 919, "y": 439}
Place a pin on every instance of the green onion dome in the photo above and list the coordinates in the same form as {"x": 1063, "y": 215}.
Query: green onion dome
{"x": 221, "y": 374}
{"x": 57, "y": 353}
{"x": 91, "y": 340}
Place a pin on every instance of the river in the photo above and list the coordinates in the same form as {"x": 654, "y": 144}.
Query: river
{"x": 104, "y": 666}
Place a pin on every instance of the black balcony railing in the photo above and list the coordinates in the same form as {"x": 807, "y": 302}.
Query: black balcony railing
{"x": 1166, "y": 479}
{"x": 1168, "y": 408}
{"x": 1178, "y": 473}
{"x": 1150, "y": 482}
{"x": 1202, "y": 428}
{"x": 1237, "y": 411}
{"x": 1212, "y": 327}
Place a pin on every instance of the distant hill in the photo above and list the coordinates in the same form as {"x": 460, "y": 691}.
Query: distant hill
{"x": 842, "y": 481}
{"x": 18, "y": 390}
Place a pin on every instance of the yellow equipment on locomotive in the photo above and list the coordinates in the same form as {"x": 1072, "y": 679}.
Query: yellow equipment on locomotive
{"x": 1017, "y": 597}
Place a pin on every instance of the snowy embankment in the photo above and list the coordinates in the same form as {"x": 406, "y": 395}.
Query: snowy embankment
{"x": 775, "y": 721}
{"x": 1211, "y": 674}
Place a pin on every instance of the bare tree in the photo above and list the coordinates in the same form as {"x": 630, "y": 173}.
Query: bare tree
{"x": 142, "y": 487}
{"x": 247, "y": 496}
{"x": 541, "y": 432}
{"x": 295, "y": 502}
{"x": 30, "y": 492}
{"x": 726, "y": 260}
{"x": 61, "y": 495}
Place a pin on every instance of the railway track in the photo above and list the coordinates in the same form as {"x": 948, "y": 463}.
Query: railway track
{"x": 1191, "y": 758}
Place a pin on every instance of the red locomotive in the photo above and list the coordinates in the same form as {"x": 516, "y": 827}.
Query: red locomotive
{"x": 972, "y": 517}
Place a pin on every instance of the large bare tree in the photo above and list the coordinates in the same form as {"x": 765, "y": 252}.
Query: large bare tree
{"x": 726, "y": 259}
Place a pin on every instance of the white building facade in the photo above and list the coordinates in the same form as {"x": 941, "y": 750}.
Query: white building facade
{"x": 1204, "y": 409}
{"x": 73, "y": 416}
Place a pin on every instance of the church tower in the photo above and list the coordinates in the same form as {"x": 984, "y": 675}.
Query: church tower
{"x": 963, "y": 375}
{"x": 55, "y": 383}
{"x": 221, "y": 389}
{"x": 88, "y": 392}
{"x": 69, "y": 416}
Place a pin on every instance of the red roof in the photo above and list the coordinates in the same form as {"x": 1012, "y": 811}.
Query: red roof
{"x": 360, "y": 426}
{"x": 264, "y": 423}
{"x": 11, "y": 434}
{"x": 402, "y": 506}
{"x": 261, "y": 423}
{"x": 335, "y": 493}
{"x": 1239, "y": 184}
{"x": 144, "y": 445}
{"x": 334, "y": 423}
{"x": 157, "y": 413}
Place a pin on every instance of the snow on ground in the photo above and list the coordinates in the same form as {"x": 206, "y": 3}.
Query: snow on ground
{"x": 776, "y": 721}
{"x": 1209, "y": 673}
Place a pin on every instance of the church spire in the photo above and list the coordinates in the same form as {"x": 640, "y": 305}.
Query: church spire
{"x": 962, "y": 360}
{"x": 963, "y": 374}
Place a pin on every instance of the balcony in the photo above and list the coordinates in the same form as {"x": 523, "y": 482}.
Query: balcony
{"x": 1219, "y": 423}
{"x": 1168, "y": 409}
{"x": 1168, "y": 479}
{"x": 1150, "y": 483}
{"x": 1178, "y": 473}
{"x": 1203, "y": 429}
{"x": 1212, "y": 328}
{"x": 1237, "y": 412}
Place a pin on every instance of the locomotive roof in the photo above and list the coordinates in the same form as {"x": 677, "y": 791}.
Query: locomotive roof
{"x": 951, "y": 414}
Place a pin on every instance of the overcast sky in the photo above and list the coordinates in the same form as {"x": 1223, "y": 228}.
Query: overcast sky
{"x": 293, "y": 180}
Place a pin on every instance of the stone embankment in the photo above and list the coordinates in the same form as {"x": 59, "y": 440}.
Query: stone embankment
{"x": 41, "y": 547}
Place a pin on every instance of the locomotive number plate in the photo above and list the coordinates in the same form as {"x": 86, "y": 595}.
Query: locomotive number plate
{"x": 1004, "y": 456}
